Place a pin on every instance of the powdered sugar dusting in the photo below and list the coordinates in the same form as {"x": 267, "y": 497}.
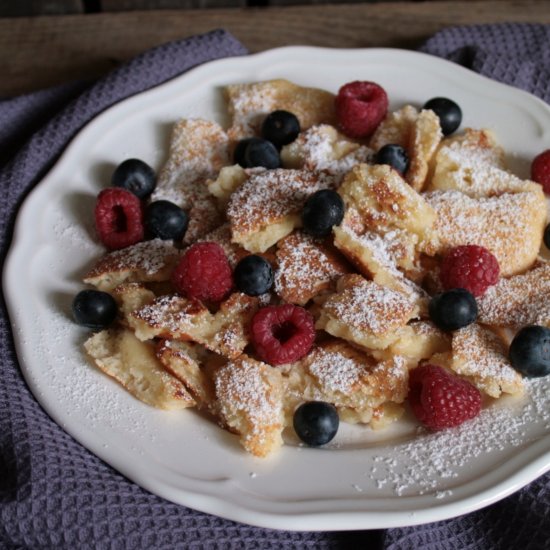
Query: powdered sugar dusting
{"x": 171, "y": 314}
{"x": 269, "y": 196}
{"x": 198, "y": 150}
{"x": 519, "y": 300}
{"x": 305, "y": 267}
{"x": 148, "y": 256}
{"x": 479, "y": 355}
{"x": 423, "y": 465}
{"x": 228, "y": 340}
{"x": 368, "y": 306}
{"x": 243, "y": 384}
{"x": 473, "y": 164}
{"x": 382, "y": 251}
{"x": 336, "y": 372}
{"x": 476, "y": 176}
{"x": 248, "y": 106}
{"x": 487, "y": 222}
{"x": 466, "y": 221}
{"x": 249, "y": 394}
{"x": 322, "y": 149}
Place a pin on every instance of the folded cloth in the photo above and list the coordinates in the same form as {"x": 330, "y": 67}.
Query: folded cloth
{"x": 516, "y": 54}
{"x": 53, "y": 492}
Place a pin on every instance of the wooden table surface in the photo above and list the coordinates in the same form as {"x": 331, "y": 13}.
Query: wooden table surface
{"x": 37, "y": 52}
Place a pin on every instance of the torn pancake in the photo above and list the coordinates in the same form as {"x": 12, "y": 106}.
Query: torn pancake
{"x": 249, "y": 104}
{"x": 147, "y": 261}
{"x": 190, "y": 364}
{"x": 306, "y": 266}
{"x": 267, "y": 206}
{"x": 421, "y": 340}
{"x": 385, "y": 201}
{"x": 366, "y": 313}
{"x": 418, "y": 132}
{"x": 131, "y": 296}
{"x": 179, "y": 318}
{"x": 250, "y": 397}
{"x": 356, "y": 384}
{"x": 473, "y": 163}
{"x": 518, "y": 300}
{"x": 376, "y": 255}
{"x": 482, "y": 358}
{"x": 118, "y": 353}
{"x": 323, "y": 148}
{"x": 509, "y": 225}
{"x": 198, "y": 151}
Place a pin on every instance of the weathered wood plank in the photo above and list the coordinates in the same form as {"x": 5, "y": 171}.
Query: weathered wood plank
{"x": 43, "y": 51}
{"x": 130, "y": 5}
{"x": 22, "y": 8}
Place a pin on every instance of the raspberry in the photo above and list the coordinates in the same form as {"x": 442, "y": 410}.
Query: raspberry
{"x": 540, "y": 170}
{"x": 203, "y": 273}
{"x": 282, "y": 334}
{"x": 360, "y": 108}
{"x": 118, "y": 218}
{"x": 441, "y": 400}
{"x": 471, "y": 267}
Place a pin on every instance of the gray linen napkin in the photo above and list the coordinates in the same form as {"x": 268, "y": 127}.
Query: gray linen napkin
{"x": 54, "y": 493}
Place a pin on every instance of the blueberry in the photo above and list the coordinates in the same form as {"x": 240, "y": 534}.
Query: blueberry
{"x": 449, "y": 113}
{"x": 395, "y": 156}
{"x": 135, "y": 176}
{"x": 94, "y": 309}
{"x": 530, "y": 351}
{"x": 253, "y": 275}
{"x": 316, "y": 422}
{"x": 260, "y": 152}
{"x": 547, "y": 236}
{"x": 240, "y": 148}
{"x": 453, "y": 309}
{"x": 280, "y": 127}
{"x": 321, "y": 211}
{"x": 165, "y": 220}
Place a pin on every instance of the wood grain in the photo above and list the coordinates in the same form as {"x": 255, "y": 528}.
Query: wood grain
{"x": 44, "y": 51}
{"x": 39, "y": 7}
{"x": 131, "y": 5}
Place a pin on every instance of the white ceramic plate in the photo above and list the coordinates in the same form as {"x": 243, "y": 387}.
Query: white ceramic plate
{"x": 363, "y": 479}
